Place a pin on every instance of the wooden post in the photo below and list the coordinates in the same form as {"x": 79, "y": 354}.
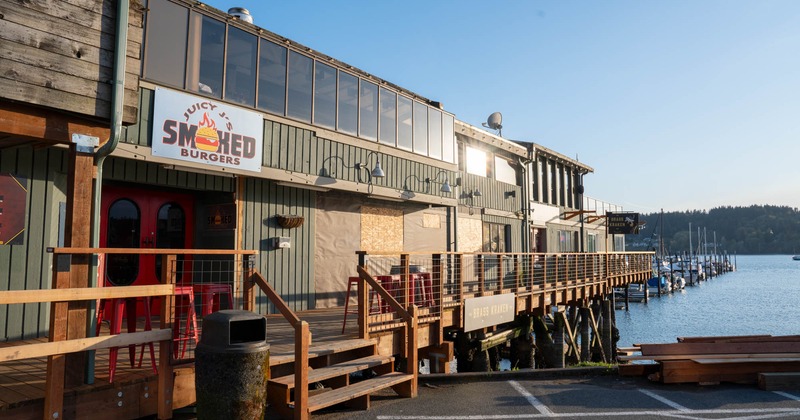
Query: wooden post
{"x": 249, "y": 295}
{"x": 302, "y": 342}
{"x": 405, "y": 279}
{"x": 481, "y": 274}
{"x": 459, "y": 269}
{"x": 363, "y": 308}
{"x": 54, "y": 385}
{"x": 412, "y": 361}
{"x": 606, "y": 330}
{"x": 585, "y": 337}
{"x": 166, "y": 378}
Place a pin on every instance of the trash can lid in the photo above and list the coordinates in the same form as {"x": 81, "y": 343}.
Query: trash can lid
{"x": 233, "y": 331}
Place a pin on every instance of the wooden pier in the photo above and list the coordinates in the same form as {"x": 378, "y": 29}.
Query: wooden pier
{"x": 416, "y": 312}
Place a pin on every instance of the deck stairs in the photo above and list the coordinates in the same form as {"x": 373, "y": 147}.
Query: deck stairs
{"x": 339, "y": 372}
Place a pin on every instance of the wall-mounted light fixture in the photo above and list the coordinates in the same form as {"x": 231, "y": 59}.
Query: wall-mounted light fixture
{"x": 376, "y": 172}
{"x": 445, "y": 185}
{"x": 446, "y": 188}
{"x": 471, "y": 197}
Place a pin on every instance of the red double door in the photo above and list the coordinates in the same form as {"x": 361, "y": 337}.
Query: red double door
{"x": 136, "y": 218}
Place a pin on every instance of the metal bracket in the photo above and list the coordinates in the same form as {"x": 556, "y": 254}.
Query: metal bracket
{"x": 85, "y": 144}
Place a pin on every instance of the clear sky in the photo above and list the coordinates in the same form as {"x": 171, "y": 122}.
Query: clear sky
{"x": 676, "y": 104}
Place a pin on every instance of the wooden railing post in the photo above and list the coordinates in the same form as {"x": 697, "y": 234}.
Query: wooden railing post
{"x": 437, "y": 277}
{"x": 167, "y": 321}
{"x": 459, "y": 268}
{"x": 249, "y": 295}
{"x": 481, "y": 274}
{"x": 363, "y": 308}
{"x": 302, "y": 340}
{"x": 405, "y": 279}
{"x": 56, "y": 364}
{"x": 412, "y": 357}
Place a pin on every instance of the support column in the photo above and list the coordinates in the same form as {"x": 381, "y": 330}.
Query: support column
{"x": 585, "y": 337}
{"x": 556, "y": 351}
{"x": 606, "y": 330}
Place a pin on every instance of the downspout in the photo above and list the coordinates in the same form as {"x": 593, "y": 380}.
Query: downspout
{"x": 526, "y": 202}
{"x": 117, "y": 100}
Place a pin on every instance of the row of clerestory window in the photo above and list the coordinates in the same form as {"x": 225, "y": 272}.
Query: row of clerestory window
{"x": 196, "y": 52}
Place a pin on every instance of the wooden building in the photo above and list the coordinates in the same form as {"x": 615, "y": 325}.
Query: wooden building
{"x": 169, "y": 124}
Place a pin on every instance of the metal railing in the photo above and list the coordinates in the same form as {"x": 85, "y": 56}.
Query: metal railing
{"x": 435, "y": 282}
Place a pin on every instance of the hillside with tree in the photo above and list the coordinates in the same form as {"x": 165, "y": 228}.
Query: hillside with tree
{"x": 738, "y": 230}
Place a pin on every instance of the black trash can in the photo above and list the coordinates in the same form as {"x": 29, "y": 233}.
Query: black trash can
{"x": 232, "y": 366}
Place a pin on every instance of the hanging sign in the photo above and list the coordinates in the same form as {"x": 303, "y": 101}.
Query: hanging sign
{"x": 486, "y": 311}
{"x": 622, "y": 223}
{"x": 202, "y": 130}
{"x": 13, "y": 198}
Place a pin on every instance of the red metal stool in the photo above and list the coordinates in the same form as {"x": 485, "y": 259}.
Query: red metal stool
{"x": 372, "y": 309}
{"x": 118, "y": 306}
{"x": 210, "y": 296}
{"x": 391, "y": 283}
{"x": 184, "y": 306}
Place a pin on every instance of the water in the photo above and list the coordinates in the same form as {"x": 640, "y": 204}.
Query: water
{"x": 761, "y": 297}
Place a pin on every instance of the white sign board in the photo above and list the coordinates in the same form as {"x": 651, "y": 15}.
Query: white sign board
{"x": 487, "y": 311}
{"x": 203, "y": 130}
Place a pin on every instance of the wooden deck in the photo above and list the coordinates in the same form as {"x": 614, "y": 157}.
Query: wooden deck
{"x": 133, "y": 393}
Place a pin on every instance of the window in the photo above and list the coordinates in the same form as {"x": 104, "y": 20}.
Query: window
{"x": 300, "y": 81}
{"x": 591, "y": 242}
{"x": 272, "y": 78}
{"x": 565, "y": 241}
{"x": 404, "y": 123}
{"x": 348, "y": 104}
{"x": 325, "y": 95}
{"x": 435, "y": 133}
{"x": 388, "y": 122}
{"x": 368, "y": 111}
{"x": 240, "y": 67}
{"x": 212, "y": 42}
{"x": 476, "y": 162}
{"x": 504, "y": 171}
{"x": 495, "y": 238}
{"x": 448, "y": 139}
{"x": 420, "y": 128}
{"x": 165, "y": 55}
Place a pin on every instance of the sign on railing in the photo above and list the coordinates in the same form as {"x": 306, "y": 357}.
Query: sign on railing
{"x": 486, "y": 311}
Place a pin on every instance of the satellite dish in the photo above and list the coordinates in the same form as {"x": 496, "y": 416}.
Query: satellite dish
{"x": 495, "y": 122}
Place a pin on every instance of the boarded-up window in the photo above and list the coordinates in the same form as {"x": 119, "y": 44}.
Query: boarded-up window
{"x": 381, "y": 229}
{"x": 433, "y": 221}
{"x": 470, "y": 234}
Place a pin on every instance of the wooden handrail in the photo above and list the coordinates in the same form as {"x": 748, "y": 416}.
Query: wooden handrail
{"x": 276, "y": 299}
{"x": 30, "y": 351}
{"x": 8, "y": 297}
{"x": 150, "y": 251}
{"x": 302, "y": 341}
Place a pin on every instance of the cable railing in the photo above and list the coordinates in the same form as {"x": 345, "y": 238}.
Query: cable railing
{"x": 435, "y": 282}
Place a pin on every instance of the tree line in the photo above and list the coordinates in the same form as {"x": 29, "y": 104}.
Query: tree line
{"x": 757, "y": 229}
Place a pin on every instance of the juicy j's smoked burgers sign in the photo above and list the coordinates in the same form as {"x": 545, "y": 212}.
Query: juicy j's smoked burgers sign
{"x": 202, "y": 130}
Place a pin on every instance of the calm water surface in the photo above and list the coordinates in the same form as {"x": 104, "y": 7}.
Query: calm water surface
{"x": 761, "y": 297}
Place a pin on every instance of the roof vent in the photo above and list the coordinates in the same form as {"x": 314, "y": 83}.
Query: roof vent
{"x": 241, "y": 13}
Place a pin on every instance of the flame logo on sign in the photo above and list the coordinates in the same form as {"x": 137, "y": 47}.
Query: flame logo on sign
{"x": 207, "y": 138}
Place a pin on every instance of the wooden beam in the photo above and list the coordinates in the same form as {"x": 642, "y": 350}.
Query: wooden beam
{"x": 30, "y": 351}
{"x": 149, "y": 251}
{"x": 37, "y": 123}
{"x": 81, "y": 294}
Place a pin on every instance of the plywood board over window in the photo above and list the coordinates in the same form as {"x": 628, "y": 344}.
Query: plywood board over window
{"x": 431, "y": 221}
{"x": 381, "y": 229}
{"x": 470, "y": 234}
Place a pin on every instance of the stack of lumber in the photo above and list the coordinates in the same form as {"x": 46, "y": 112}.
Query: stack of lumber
{"x": 711, "y": 360}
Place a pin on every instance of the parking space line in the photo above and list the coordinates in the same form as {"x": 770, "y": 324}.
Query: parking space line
{"x": 531, "y": 399}
{"x": 670, "y": 403}
{"x": 787, "y": 395}
{"x": 756, "y": 414}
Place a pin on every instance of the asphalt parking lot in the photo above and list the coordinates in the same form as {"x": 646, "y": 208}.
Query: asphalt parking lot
{"x": 516, "y": 395}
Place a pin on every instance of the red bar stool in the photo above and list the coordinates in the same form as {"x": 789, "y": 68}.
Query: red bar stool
{"x": 373, "y": 294}
{"x": 210, "y": 296}
{"x": 184, "y": 331}
{"x": 126, "y": 306}
{"x": 391, "y": 283}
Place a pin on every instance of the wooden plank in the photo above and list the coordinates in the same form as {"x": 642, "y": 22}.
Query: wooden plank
{"x": 77, "y": 345}
{"x": 680, "y": 371}
{"x": 82, "y": 294}
{"x": 709, "y": 356}
{"x": 344, "y": 368}
{"x": 150, "y": 251}
{"x": 710, "y": 361}
{"x": 776, "y": 381}
{"x": 339, "y": 395}
{"x": 720, "y": 348}
{"x": 722, "y": 338}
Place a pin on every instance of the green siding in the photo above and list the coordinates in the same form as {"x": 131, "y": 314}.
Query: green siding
{"x": 27, "y": 266}
{"x": 289, "y": 271}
